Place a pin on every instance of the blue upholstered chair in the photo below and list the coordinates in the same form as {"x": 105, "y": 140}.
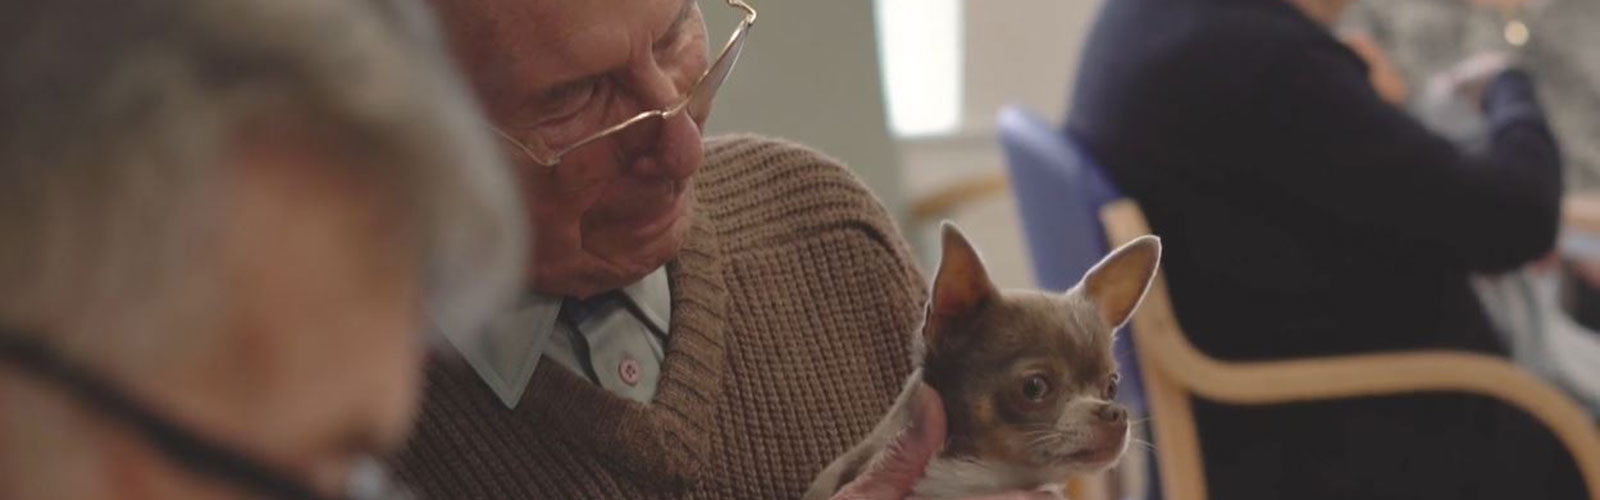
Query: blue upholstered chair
{"x": 1060, "y": 193}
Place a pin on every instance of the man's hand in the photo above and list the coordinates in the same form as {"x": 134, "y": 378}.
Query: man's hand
{"x": 1470, "y": 78}
{"x": 894, "y": 475}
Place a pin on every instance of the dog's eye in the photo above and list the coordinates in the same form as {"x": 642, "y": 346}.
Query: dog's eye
{"x": 1111, "y": 386}
{"x": 1035, "y": 388}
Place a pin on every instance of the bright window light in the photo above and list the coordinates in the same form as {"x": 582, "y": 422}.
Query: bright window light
{"x": 919, "y": 45}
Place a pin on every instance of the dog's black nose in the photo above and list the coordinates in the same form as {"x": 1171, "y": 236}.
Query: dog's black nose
{"x": 1112, "y": 413}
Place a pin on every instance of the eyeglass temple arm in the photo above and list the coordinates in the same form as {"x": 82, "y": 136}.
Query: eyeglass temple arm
{"x": 749, "y": 12}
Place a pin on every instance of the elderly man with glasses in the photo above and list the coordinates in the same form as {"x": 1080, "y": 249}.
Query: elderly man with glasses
{"x": 704, "y": 318}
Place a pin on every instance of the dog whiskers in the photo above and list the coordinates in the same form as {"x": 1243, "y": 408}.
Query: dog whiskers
{"x": 1148, "y": 446}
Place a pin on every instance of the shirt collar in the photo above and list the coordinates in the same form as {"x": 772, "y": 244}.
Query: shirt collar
{"x": 505, "y": 353}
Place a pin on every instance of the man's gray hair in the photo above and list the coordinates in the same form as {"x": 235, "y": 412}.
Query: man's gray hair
{"x": 115, "y": 114}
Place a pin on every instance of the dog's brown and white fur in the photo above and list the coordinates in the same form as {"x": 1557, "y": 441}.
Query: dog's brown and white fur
{"x": 1027, "y": 377}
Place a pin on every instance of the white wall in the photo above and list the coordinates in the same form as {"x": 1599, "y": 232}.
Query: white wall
{"x": 1017, "y": 52}
{"x": 811, "y": 73}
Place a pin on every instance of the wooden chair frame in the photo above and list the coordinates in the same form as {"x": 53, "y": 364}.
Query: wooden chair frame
{"x": 1174, "y": 369}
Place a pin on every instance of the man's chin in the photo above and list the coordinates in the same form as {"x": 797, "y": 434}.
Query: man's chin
{"x": 652, "y": 240}
{"x": 611, "y": 260}
{"x": 644, "y": 254}
{"x": 646, "y": 224}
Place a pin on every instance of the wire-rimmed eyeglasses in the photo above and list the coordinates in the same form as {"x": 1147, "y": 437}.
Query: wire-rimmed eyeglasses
{"x": 698, "y": 100}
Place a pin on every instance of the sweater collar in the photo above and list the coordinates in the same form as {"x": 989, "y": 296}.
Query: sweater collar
{"x": 666, "y": 442}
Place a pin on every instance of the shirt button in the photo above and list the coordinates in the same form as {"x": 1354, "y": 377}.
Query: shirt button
{"x": 629, "y": 371}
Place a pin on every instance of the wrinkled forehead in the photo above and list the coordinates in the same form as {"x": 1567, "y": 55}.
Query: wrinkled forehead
{"x": 555, "y": 40}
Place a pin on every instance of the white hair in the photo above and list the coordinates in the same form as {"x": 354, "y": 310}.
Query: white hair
{"x": 114, "y": 115}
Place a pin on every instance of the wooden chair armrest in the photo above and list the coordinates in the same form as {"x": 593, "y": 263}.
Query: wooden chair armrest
{"x": 939, "y": 203}
{"x": 1388, "y": 374}
{"x": 1162, "y": 344}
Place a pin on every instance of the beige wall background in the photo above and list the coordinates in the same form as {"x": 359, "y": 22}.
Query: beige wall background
{"x": 811, "y": 73}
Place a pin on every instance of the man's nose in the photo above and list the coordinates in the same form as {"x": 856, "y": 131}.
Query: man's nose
{"x": 666, "y": 146}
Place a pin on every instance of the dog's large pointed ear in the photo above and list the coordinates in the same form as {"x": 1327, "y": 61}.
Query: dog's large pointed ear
{"x": 961, "y": 285}
{"x": 1118, "y": 283}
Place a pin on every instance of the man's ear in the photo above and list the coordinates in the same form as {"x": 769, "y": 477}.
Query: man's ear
{"x": 961, "y": 285}
{"x": 1118, "y": 283}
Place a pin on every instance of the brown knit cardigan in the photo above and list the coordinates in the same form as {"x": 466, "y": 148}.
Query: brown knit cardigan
{"x": 793, "y": 305}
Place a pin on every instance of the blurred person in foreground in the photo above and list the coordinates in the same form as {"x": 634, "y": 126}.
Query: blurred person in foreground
{"x": 225, "y": 224}
{"x": 1412, "y": 47}
{"x": 704, "y": 318}
{"x": 1308, "y": 217}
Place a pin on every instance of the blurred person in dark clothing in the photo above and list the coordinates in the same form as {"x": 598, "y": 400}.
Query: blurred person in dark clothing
{"x": 1308, "y": 217}
{"x": 223, "y": 226}
{"x": 1547, "y": 314}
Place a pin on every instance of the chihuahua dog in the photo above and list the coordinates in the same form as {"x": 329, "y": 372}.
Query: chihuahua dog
{"x": 1027, "y": 377}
